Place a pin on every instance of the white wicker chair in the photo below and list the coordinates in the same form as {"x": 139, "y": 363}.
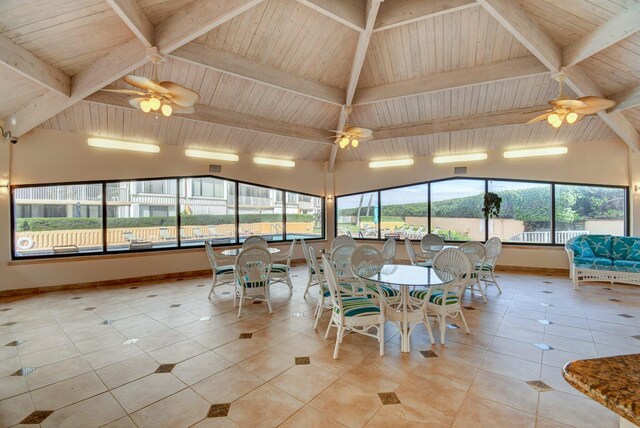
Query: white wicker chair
{"x": 253, "y": 270}
{"x": 367, "y": 261}
{"x": 444, "y": 301}
{"x": 353, "y": 311}
{"x": 223, "y": 268}
{"x": 430, "y": 245}
{"x": 341, "y": 240}
{"x": 389, "y": 251}
{"x": 324, "y": 299}
{"x": 341, "y": 259}
{"x": 314, "y": 278}
{"x": 475, "y": 252}
{"x": 412, "y": 254}
{"x": 281, "y": 272}
{"x": 254, "y": 240}
{"x": 493, "y": 249}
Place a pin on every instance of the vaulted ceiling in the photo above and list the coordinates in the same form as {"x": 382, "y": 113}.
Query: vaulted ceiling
{"x": 274, "y": 76}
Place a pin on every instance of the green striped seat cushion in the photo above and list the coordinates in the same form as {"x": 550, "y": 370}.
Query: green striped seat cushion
{"x": 435, "y": 298}
{"x": 386, "y": 290}
{"x": 326, "y": 291}
{"x": 358, "y": 307}
{"x": 473, "y": 275}
{"x": 485, "y": 267}
{"x": 424, "y": 264}
{"x": 220, "y": 270}
{"x": 312, "y": 270}
{"x": 277, "y": 267}
{"x": 253, "y": 284}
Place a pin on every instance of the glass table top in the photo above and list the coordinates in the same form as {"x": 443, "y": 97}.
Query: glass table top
{"x": 411, "y": 276}
{"x": 236, "y": 251}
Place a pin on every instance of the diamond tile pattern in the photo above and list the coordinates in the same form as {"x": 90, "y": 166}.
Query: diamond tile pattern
{"x": 245, "y": 336}
{"x": 219, "y": 410}
{"x": 15, "y": 343}
{"x": 429, "y": 354}
{"x": 302, "y": 361}
{"x": 388, "y": 398}
{"x": 165, "y": 368}
{"x": 539, "y": 386}
{"x": 23, "y": 371}
{"x": 37, "y": 417}
{"x": 626, "y": 316}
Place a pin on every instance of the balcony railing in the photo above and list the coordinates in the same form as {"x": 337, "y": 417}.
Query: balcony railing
{"x": 72, "y": 194}
{"x": 544, "y": 237}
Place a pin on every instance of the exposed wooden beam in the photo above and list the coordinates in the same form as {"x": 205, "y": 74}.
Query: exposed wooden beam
{"x": 228, "y": 118}
{"x": 626, "y": 99}
{"x": 488, "y": 120}
{"x": 526, "y": 31}
{"x": 356, "y": 68}
{"x": 134, "y": 17}
{"x": 394, "y": 13}
{"x": 609, "y": 33}
{"x": 487, "y": 73}
{"x": 238, "y": 66}
{"x": 346, "y": 12}
{"x": 200, "y": 16}
{"x": 196, "y": 19}
{"x": 32, "y": 67}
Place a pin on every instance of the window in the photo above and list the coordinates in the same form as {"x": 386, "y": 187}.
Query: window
{"x": 258, "y": 212}
{"x": 525, "y": 212}
{"x": 211, "y": 218}
{"x": 141, "y": 219}
{"x": 405, "y": 212}
{"x": 358, "y": 215}
{"x": 55, "y": 219}
{"x": 589, "y": 210}
{"x": 456, "y": 210}
{"x": 304, "y": 218}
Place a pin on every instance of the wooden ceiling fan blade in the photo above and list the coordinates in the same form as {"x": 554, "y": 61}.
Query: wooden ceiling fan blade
{"x": 181, "y": 95}
{"x": 594, "y": 105}
{"x": 145, "y": 83}
{"x": 124, "y": 91}
{"x": 135, "y": 102}
{"x": 539, "y": 118}
{"x": 568, "y": 103}
{"x": 360, "y": 132}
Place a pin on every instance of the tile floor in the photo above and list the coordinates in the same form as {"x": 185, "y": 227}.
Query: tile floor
{"x": 162, "y": 355}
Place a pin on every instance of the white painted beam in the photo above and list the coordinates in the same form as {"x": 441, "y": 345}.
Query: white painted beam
{"x": 394, "y": 13}
{"x": 626, "y": 99}
{"x": 134, "y": 17}
{"x": 346, "y": 12}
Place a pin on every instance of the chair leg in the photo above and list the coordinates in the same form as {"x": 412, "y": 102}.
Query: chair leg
{"x": 306, "y": 290}
{"x": 493, "y": 279}
{"x": 326, "y": 335}
{"x": 464, "y": 321}
{"x": 443, "y": 328}
{"x": 381, "y": 338}
{"x": 427, "y": 323}
{"x": 240, "y": 305}
{"x": 484, "y": 297}
{"x": 289, "y": 284}
{"x": 338, "y": 341}
{"x": 318, "y": 313}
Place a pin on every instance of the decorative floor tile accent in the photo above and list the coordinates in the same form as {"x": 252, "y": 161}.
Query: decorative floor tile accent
{"x": 106, "y": 322}
{"x": 9, "y": 324}
{"x": 626, "y": 316}
{"x": 5, "y": 309}
{"x": 547, "y": 282}
{"x": 226, "y": 292}
{"x": 545, "y": 322}
{"x": 165, "y": 368}
{"x": 539, "y": 386}
{"x": 205, "y": 318}
{"x": 300, "y": 361}
{"x": 388, "y": 398}
{"x": 453, "y": 326}
{"x": 469, "y": 308}
{"x": 133, "y": 288}
{"x": 23, "y": 371}
{"x": 615, "y": 300}
{"x": 76, "y": 298}
{"x": 546, "y": 304}
{"x": 179, "y": 279}
{"x": 547, "y": 292}
{"x": 219, "y": 410}
{"x": 14, "y": 343}
{"x": 200, "y": 285}
{"x": 130, "y": 341}
{"x": 36, "y": 417}
{"x": 152, "y": 295}
{"x": 257, "y": 302}
{"x": 636, "y": 336}
{"x": 429, "y": 354}
{"x": 90, "y": 308}
{"x": 298, "y": 314}
{"x": 245, "y": 335}
{"x": 607, "y": 288}
{"x": 175, "y": 306}
{"x": 543, "y": 346}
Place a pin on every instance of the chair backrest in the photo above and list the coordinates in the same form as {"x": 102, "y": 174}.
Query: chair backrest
{"x": 254, "y": 240}
{"x": 455, "y": 263}
{"x": 366, "y": 261}
{"x": 253, "y": 266}
{"x": 331, "y": 279}
{"x": 315, "y": 264}
{"x": 289, "y": 254}
{"x": 493, "y": 249}
{"x": 341, "y": 258}
{"x": 432, "y": 243}
{"x": 305, "y": 252}
{"x": 410, "y": 252}
{"x": 211, "y": 255}
{"x": 475, "y": 252}
{"x": 389, "y": 250}
{"x": 342, "y": 240}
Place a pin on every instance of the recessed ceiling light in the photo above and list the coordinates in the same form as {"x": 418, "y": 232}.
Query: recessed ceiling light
{"x": 123, "y": 145}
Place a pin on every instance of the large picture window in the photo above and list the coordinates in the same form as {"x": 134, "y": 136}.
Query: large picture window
{"x": 405, "y": 212}
{"x": 304, "y": 217}
{"x": 456, "y": 210}
{"x": 260, "y": 212}
{"x": 358, "y": 215}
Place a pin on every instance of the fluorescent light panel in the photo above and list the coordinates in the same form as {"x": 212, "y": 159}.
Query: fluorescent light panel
{"x": 274, "y": 162}
{"x": 543, "y": 151}
{"x": 392, "y": 162}
{"x": 460, "y": 158}
{"x": 123, "y": 145}
{"x": 203, "y": 154}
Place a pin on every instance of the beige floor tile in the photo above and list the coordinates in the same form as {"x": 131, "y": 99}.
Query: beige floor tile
{"x": 15, "y": 409}
{"x": 159, "y": 340}
{"x": 304, "y": 382}
{"x": 308, "y": 417}
{"x": 113, "y": 355}
{"x": 125, "y": 422}
{"x": 49, "y": 356}
{"x": 147, "y": 390}
{"x": 511, "y": 366}
{"x": 505, "y": 390}
{"x": 356, "y": 411}
{"x": 177, "y": 352}
{"x": 127, "y": 370}
{"x": 94, "y": 412}
{"x": 546, "y": 423}
{"x": 57, "y": 372}
{"x": 447, "y": 372}
{"x": 268, "y": 364}
{"x": 401, "y": 415}
{"x": 301, "y": 345}
{"x": 480, "y": 413}
{"x": 241, "y": 349}
{"x": 67, "y": 392}
{"x": 12, "y": 385}
{"x": 576, "y": 411}
{"x": 200, "y": 367}
{"x": 216, "y": 423}
{"x": 275, "y": 407}
{"x": 179, "y": 410}
{"x": 348, "y": 359}
{"x": 227, "y": 386}
{"x": 215, "y": 338}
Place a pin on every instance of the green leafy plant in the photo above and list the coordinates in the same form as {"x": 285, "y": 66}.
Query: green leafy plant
{"x": 491, "y": 206}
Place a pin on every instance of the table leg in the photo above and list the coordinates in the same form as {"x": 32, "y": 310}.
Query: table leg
{"x": 404, "y": 297}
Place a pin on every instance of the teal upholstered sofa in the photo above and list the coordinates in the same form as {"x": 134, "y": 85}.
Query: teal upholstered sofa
{"x": 604, "y": 258}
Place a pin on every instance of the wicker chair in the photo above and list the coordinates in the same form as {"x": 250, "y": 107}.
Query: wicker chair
{"x": 253, "y": 271}
{"x": 430, "y": 245}
{"x": 324, "y": 300}
{"x": 389, "y": 251}
{"x": 281, "y": 272}
{"x": 367, "y": 261}
{"x": 222, "y": 267}
{"x": 493, "y": 249}
{"x": 314, "y": 277}
{"x": 412, "y": 254}
{"x": 254, "y": 240}
{"x": 341, "y": 240}
{"x": 475, "y": 252}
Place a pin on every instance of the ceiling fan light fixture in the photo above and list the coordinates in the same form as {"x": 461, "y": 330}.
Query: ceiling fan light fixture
{"x": 154, "y": 103}
{"x": 167, "y": 110}
{"x": 145, "y": 106}
{"x": 344, "y": 142}
{"x": 572, "y": 117}
{"x": 355, "y": 143}
{"x": 553, "y": 118}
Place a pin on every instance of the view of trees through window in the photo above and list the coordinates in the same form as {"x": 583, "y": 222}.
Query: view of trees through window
{"x": 456, "y": 211}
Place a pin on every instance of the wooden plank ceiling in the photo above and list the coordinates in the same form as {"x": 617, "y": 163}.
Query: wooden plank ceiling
{"x": 438, "y": 76}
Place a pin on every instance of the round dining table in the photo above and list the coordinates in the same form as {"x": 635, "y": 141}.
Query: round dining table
{"x": 236, "y": 251}
{"x": 405, "y": 278}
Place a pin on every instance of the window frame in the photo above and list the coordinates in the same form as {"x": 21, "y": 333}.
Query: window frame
{"x": 626, "y": 189}
{"x": 179, "y": 246}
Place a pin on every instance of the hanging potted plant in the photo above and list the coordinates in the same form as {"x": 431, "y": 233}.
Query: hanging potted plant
{"x": 491, "y": 207}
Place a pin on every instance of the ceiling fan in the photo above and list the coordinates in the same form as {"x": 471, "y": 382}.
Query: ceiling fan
{"x": 352, "y": 134}
{"x": 154, "y": 95}
{"x": 569, "y": 110}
